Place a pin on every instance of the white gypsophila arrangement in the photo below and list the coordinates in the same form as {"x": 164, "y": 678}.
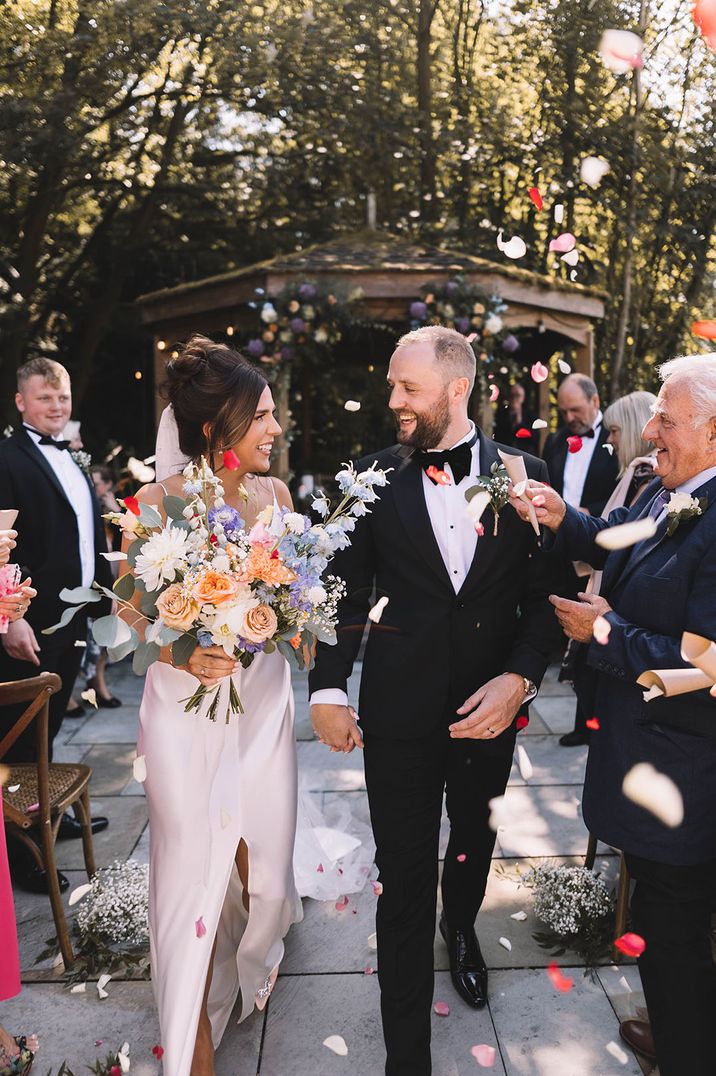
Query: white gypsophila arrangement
{"x": 568, "y": 898}
{"x": 116, "y": 906}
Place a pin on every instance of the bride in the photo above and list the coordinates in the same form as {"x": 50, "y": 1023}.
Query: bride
{"x": 222, "y": 797}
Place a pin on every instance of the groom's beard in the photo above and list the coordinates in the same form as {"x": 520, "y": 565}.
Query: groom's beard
{"x": 429, "y": 429}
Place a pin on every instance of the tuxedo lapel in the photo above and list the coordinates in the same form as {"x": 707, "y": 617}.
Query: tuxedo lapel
{"x": 28, "y": 446}
{"x": 407, "y": 488}
{"x": 486, "y": 548}
{"x": 560, "y": 461}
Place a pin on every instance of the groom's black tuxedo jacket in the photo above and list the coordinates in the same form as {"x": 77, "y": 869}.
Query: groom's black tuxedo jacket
{"x": 48, "y": 540}
{"x": 433, "y": 648}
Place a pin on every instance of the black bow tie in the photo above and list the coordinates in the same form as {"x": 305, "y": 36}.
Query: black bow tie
{"x": 587, "y": 433}
{"x": 459, "y": 458}
{"x": 45, "y": 440}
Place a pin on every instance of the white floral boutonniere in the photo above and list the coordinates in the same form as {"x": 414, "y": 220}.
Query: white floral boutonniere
{"x": 82, "y": 459}
{"x": 497, "y": 485}
{"x": 681, "y": 506}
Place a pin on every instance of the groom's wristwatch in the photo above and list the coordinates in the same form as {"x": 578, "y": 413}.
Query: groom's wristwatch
{"x": 530, "y": 690}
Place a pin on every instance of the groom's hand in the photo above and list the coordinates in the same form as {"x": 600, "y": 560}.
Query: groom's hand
{"x": 336, "y": 727}
{"x": 491, "y": 709}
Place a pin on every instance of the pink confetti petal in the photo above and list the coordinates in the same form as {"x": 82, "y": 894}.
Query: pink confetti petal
{"x": 471, "y": 337}
{"x": 231, "y": 460}
{"x": 494, "y": 393}
{"x": 601, "y": 629}
{"x": 563, "y": 243}
{"x": 621, "y": 51}
{"x": 199, "y": 927}
{"x": 593, "y": 724}
{"x": 98, "y": 1042}
{"x": 440, "y": 478}
{"x": 461, "y": 858}
{"x": 342, "y": 903}
{"x": 539, "y": 372}
{"x": 484, "y": 1055}
{"x": 368, "y": 970}
{"x": 320, "y": 869}
{"x": 441, "y": 1008}
{"x": 377, "y": 888}
{"x": 631, "y": 944}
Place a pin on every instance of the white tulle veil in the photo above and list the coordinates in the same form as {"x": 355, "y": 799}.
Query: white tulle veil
{"x": 170, "y": 458}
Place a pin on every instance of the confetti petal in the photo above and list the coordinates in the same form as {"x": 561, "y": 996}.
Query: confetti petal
{"x": 484, "y": 1055}
{"x": 592, "y": 170}
{"x": 132, "y": 505}
{"x": 12, "y": 788}
{"x": 101, "y": 983}
{"x": 440, "y": 478}
{"x": 522, "y": 722}
{"x": 80, "y": 643}
{"x": 617, "y": 1053}
{"x": 706, "y": 330}
{"x": 441, "y": 1008}
{"x": 539, "y": 372}
{"x": 231, "y": 460}
{"x": 559, "y": 981}
{"x": 524, "y": 764}
{"x": 655, "y": 792}
{"x": 522, "y": 432}
{"x": 600, "y": 630}
{"x": 626, "y": 534}
{"x": 539, "y": 424}
{"x": 494, "y": 393}
{"x": 351, "y": 405}
{"x": 377, "y": 611}
{"x": 461, "y": 858}
{"x": 78, "y": 893}
{"x": 342, "y": 903}
{"x": 337, "y": 1045}
{"x": 621, "y": 51}
{"x": 115, "y": 556}
{"x": 558, "y": 213}
{"x": 514, "y": 248}
{"x": 704, "y": 12}
{"x": 592, "y": 723}
{"x": 224, "y": 818}
{"x": 80, "y": 988}
{"x": 506, "y": 944}
{"x": 377, "y": 888}
{"x": 564, "y": 366}
{"x": 562, "y": 243}
{"x": 320, "y": 869}
{"x": 609, "y": 448}
{"x": 199, "y": 927}
{"x": 519, "y": 916}
{"x": 158, "y": 1052}
{"x": 372, "y": 941}
{"x": 574, "y": 443}
{"x": 538, "y": 500}
{"x": 368, "y": 970}
{"x": 630, "y": 944}
{"x": 536, "y": 197}
{"x": 571, "y": 257}
{"x": 139, "y": 769}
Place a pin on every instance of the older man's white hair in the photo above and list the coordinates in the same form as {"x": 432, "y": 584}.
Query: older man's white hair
{"x": 698, "y": 374}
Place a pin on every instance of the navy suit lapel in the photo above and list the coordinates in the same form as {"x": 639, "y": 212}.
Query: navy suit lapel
{"x": 407, "y": 488}
{"x": 28, "y": 446}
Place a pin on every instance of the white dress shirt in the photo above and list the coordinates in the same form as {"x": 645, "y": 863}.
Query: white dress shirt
{"x": 693, "y": 483}
{"x": 576, "y": 466}
{"x": 454, "y": 533}
{"x": 78, "y": 494}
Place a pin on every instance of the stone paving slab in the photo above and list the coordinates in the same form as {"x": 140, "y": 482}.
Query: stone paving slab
{"x": 551, "y": 764}
{"x": 109, "y": 727}
{"x": 557, "y": 712}
{"x": 111, "y": 767}
{"x": 544, "y": 820}
{"x": 128, "y": 817}
{"x": 321, "y": 770}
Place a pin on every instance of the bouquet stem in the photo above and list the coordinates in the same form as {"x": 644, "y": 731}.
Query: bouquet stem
{"x": 196, "y": 701}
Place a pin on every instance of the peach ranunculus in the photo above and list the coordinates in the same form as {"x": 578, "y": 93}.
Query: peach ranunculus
{"x": 177, "y": 609}
{"x": 261, "y": 565}
{"x": 215, "y": 588}
{"x": 259, "y": 624}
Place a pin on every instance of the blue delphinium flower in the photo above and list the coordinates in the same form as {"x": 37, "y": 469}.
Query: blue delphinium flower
{"x": 204, "y": 638}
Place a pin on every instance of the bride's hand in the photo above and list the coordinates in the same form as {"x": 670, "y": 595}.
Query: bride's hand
{"x": 210, "y": 665}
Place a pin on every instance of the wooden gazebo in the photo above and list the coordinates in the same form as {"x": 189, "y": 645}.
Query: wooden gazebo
{"x": 390, "y": 272}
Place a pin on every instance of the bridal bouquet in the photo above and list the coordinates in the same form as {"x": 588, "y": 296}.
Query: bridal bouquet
{"x": 204, "y": 579}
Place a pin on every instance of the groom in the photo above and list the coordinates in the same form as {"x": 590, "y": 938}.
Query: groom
{"x": 462, "y": 644}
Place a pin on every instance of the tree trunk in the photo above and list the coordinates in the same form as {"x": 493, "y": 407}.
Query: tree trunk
{"x": 428, "y": 202}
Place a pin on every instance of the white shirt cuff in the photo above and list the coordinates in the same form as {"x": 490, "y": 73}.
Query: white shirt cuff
{"x": 328, "y": 696}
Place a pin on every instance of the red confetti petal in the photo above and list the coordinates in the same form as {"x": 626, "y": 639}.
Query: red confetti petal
{"x": 115, "y": 1071}
{"x": 536, "y": 197}
{"x": 274, "y": 554}
{"x": 441, "y": 1008}
{"x": 559, "y": 981}
{"x": 461, "y": 858}
{"x": 342, "y": 903}
{"x": 522, "y": 722}
{"x": 440, "y": 478}
{"x": 213, "y": 540}
{"x": 631, "y": 944}
{"x": 158, "y": 1052}
{"x": 522, "y": 432}
{"x": 539, "y": 372}
{"x": 705, "y": 329}
{"x": 98, "y": 1042}
{"x": 132, "y": 505}
{"x": 199, "y": 927}
{"x": 231, "y": 460}
{"x": 593, "y": 724}
{"x": 705, "y": 18}
{"x": 574, "y": 443}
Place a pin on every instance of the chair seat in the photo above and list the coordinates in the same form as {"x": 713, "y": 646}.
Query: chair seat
{"x": 66, "y": 783}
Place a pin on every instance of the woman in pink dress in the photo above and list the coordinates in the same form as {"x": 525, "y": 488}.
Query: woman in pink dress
{"x": 16, "y": 1054}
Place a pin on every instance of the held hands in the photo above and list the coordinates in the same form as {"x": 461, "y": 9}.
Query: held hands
{"x": 210, "y": 665}
{"x": 14, "y": 606}
{"x": 577, "y": 618}
{"x": 549, "y": 507}
{"x": 7, "y": 544}
{"x": 336, "y": 726}
{"x": 491, "y": 709}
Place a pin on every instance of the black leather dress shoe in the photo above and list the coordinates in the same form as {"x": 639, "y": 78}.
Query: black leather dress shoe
{"x": 34, "y": 880}
{"x": 70, "y": 828}
{"x": 467, "y": 966}
{"x": 108, "y": 704}
{"x": 576, "y": 738}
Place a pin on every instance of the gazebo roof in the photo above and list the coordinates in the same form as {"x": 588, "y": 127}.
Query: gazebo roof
{"x": 370, "y": 256}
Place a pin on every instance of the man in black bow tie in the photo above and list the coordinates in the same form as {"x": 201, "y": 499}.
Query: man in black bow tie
{"x": 60, "y": 537}
{"x": 462, "y": 644}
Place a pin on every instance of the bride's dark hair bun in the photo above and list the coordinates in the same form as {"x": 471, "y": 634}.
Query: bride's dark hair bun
{"x": 211, "y": 384}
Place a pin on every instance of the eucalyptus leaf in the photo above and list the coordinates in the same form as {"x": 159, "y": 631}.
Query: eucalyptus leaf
{"x": 183, "y": 648}
{"x": 287, "y": 650}
{"x": 324, "y": 635}
{"x": 110, "y": 631}
{"x": 166, "y": 635}
{"x": 64, "y": 620}
{"x": 149, "y": 516}
{"x": 144, "y": 656}
{"x": 133, "y": 552}
{"x": 124, "y": 586}
{"x": 148, "y": 603}
{"x": 174, "y": 507}
{"x": 79, "y": 594}
{"x": 116, "y": 653}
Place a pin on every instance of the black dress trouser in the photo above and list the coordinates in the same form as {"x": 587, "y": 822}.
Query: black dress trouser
{"x": 405, "y": 781}
{"x": 671, "y": 910}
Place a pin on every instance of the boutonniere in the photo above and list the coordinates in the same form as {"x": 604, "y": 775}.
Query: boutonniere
{"x": 82, "y": 459}
{"x": 497, "y": 486}
{"x": 681, "y": 506}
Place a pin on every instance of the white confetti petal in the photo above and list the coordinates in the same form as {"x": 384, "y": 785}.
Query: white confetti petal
{"x": 114, "y": 556}
{"x": 564, "y": 366}
{"x": 616, "y": 1051}
{"x": 90, "y": 696}
{"x": 101, "y": 983}
{"x": 558, "y": 213}
{"x": 337, "y": 1044}
{"x": 655, "y": 792}
{"x": 523, "y": 761}
{"x": 377, "y": 611}
{"x": 102, "y": 993}
{"x": 124, "y": 1061}
{"x": 225, "y": 818}
{"x": 506, "y": 944}
{"x": 621, "y": 51}
{"x": 519, "y": 916}
{"x": 592, "y": 170}
{"x": 513, "y": 248}
{"x": 626, "y": 534}
{"x": 352, "y": 405}
{"x": 654, "y": 692}
{"x": 78, "y": 893}
{"x": 600, "y": 630}
{"x": 59, "y": 961}
{"x": 539, "y": 424}
{"x": 372, "y": 941}
{"x": 139, "y": 769}
{"x": 609, "y": 448}
{"x": 80, "y": 988}
{"x": 12, "y": 788}
{"x": 80, "y": 642}
{"x": 571, "y": 257}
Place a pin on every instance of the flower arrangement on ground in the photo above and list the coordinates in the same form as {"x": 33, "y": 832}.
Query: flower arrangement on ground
{"x": 577, "y": 908}
{"x": 204, "y": 579}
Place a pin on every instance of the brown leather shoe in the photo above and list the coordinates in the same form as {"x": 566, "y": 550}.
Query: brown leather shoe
{"x": 637, "y": 1034}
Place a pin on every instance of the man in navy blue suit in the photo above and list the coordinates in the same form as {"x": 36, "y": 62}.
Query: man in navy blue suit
{"x": 651, "y": 593}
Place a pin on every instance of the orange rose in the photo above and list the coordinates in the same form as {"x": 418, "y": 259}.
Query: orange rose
{"x": 261, "y": 565}
{"x": 176, "y": 609}
{"x": 295, "y": 640}
{"x": 215, "y": 588}
{"x": 260, "y": 623}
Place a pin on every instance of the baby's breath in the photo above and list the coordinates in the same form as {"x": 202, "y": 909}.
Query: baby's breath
{"x": 117, "y": 905}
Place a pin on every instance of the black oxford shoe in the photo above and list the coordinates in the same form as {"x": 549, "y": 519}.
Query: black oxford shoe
{"x": 467, "y": 965}
{"x": 34, "y": 880}
{"x": 70, "y": 829}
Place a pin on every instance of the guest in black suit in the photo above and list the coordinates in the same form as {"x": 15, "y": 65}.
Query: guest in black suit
{"x": 60, "y": 537}
{"x": 651, "y": 593}
{"x": 513, "y": 416}
{"x": 585, "y": 479}
{"x": 463, "y": 642}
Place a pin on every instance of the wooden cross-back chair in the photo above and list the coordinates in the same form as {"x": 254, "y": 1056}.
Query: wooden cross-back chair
{"x": 43, "y": 791}
{"x": 622, "y": 906}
